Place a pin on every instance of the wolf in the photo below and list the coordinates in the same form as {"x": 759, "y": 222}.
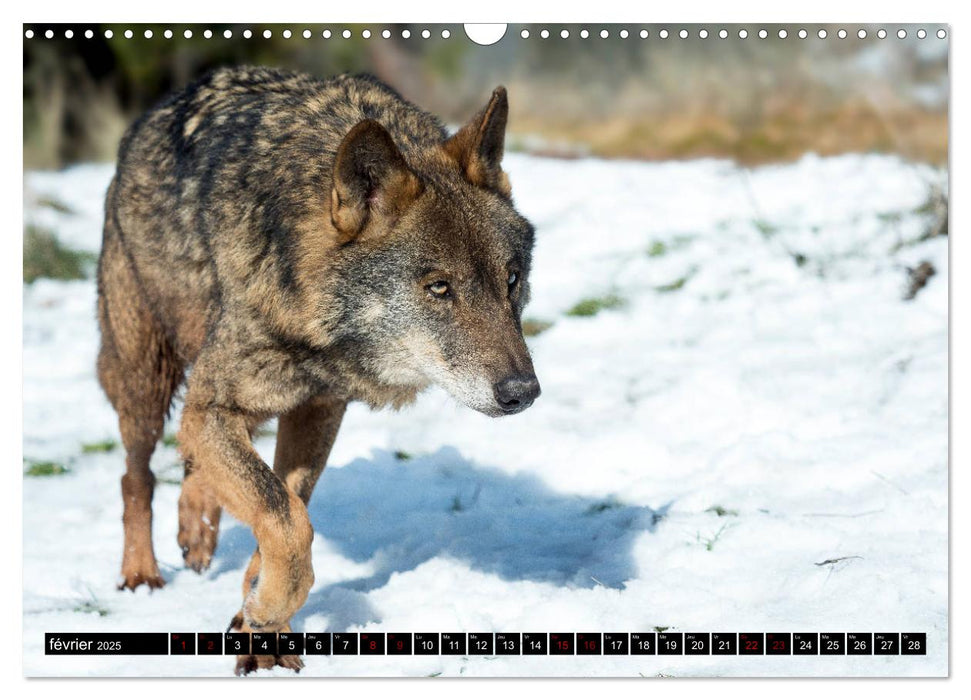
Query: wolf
{"x": 278, "y": 245}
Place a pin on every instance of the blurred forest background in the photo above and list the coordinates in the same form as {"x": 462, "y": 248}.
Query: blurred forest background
{"x": 754, "y": 100}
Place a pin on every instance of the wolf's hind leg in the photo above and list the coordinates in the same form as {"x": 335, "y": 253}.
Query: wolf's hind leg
{"x": 139, "y": 372}
{"x": 140, "y": 429}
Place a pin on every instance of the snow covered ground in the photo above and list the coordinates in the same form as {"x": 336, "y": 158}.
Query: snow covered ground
{"x": 753, "y": 438}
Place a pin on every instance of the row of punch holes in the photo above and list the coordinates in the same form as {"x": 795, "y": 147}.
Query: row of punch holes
{"x": 525, "y": 34}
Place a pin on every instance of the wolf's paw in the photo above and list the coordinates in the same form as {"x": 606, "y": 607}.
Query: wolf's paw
{"x": 247, "y": 663}
{"x": 133, "y": 579}
{"x": 269, "y": 613}
{"x": 198, "y": 525}
{"x": 198, "y": 541}
{"x": 251, "y": 662}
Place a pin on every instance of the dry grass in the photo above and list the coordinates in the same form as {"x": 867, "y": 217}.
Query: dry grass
{"x": 783, "y": 135}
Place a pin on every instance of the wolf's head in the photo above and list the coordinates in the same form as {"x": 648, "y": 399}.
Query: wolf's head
{"x": 434, "y": 262}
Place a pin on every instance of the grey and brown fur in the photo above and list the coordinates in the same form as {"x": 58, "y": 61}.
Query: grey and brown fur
{"x": 299, "y": 244}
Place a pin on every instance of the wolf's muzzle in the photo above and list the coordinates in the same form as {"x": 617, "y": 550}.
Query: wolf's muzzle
{"x": 516, "y": 393}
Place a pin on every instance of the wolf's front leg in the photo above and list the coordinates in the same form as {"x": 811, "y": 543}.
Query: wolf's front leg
{"x": 217, "y": 441}
{"x": 304, "y": 440}
{"x": 246, "y": 663}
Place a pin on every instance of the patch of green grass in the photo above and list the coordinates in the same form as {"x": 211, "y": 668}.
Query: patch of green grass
{"x": 721, "y": 511}
{"x": 661, "y": 629}
{"x": 657, "y": 249}
{"x": 55, "y": 204}
{"x": 592, "y": 306}
{"x": 45, "y": 469}
{"x": 534, "y": 326}
{"x": 766, "y": 228}
{"x": 170, "y": 440}
{"x": 710, "y": 542}
{"x": 91, "y": 606}
{"x": 936, "y": 202}
{"x": 96, "y": 447}
{"x": 672, "y": 286}
{"x": 45, "y": 256}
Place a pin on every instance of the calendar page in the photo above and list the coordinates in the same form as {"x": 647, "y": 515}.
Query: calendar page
{"x": 517, "y": 350}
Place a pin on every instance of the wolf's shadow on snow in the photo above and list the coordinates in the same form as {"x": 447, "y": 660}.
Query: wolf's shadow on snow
{"x": 409, "y": 511}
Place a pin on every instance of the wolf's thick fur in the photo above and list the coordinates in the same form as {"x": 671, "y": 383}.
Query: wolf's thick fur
{"x": 300, "y": 244}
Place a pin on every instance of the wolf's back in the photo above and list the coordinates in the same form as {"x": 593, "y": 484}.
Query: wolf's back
{"x": 214, "y": 183}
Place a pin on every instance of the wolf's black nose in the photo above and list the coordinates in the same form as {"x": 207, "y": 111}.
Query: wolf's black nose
{"x": 516, "y": 393}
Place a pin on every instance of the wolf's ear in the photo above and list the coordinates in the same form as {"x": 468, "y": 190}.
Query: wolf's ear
{"x": 371, "y": 180}
{"x": 477, "y": 147}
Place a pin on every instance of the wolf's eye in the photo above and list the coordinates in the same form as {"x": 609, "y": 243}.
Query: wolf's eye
{"x": 439, "y": 289}
{"x": 513, "y": 278}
